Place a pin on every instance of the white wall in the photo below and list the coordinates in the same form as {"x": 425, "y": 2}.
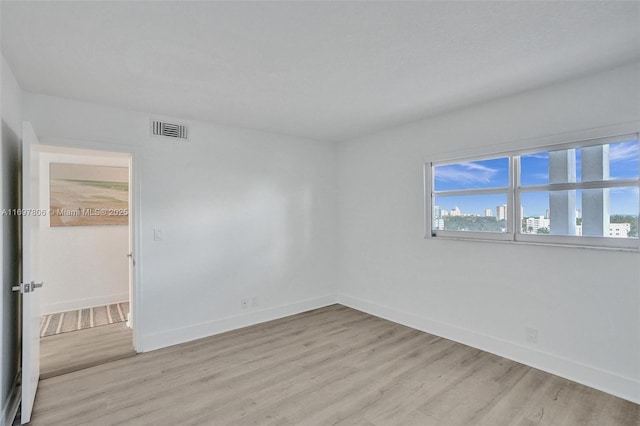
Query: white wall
{"x": 584, "y": 302}
{"x": 84, "y": 265}
{"x": 242, "y": 213}
{"x": 11, "y": 112}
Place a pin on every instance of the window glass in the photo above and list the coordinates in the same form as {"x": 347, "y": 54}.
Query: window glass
{"x": 624, "y": 209}
{"x": 534, "y": 169}
{"x": 550, "y": 212}
{"x": 614, "y": 161}
{"x": 476, "y": 213}
{"x": 597, "y": 212}
{"x": 492, "y": 173}
{"x": 623, "y": 161}
{"x": 534, "y": 217}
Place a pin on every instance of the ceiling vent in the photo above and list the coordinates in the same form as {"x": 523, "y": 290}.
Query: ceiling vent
{"x": 170, "y": 130}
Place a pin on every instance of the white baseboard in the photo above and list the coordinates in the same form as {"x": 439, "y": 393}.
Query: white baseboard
{"x": 176, "y": 336}
{"x": 10, "y": 406}
{"x": 89, "y": 302}
{"x": 606, "y": 381}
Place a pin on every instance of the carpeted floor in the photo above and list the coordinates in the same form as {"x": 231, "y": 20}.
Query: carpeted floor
{"x": 64, "y": 322}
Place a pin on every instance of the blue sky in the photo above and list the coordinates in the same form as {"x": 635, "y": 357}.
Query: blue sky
{"x": 494, "y": 173}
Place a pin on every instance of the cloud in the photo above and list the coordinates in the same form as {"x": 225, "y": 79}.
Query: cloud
{"x": 541, "y": 176}
{"x": 631, "y": 191}
{"x": 465, "y": 173}
{"x": 541, "y": 156}
{"x": 624, "y": 151}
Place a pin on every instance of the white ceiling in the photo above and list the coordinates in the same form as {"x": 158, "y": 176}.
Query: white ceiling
{"x": 323, "y": 70}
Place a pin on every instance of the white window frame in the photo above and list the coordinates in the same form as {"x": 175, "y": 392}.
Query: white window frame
{"x": 514, "y": 191}
{"x": 501, "y": 236}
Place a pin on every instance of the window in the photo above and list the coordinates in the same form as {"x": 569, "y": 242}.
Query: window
{"x": 466, "y": 194}
{"x": 583, "y": 193}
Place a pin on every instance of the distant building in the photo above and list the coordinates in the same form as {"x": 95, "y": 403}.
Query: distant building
{"x": 501, "y": 212}
{"x": 437, "y": 212}
{"x": 438, "y": 221}
{"x": 456, "y": 211}
{"x": 619, "y": 230}
{"x": 535, "y": 223}
{"x": 488, "y": 213}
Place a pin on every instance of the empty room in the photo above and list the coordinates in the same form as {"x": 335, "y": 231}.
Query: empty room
{"x": 320, "y": 213}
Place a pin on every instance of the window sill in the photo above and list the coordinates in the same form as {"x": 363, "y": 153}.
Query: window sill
{"x": 532, "y": 243}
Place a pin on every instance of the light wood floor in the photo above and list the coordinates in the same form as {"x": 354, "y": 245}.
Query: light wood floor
{"x": 330, "y": 366}
{"x": 76, "y": 350}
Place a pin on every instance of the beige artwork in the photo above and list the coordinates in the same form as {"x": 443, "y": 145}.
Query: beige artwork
{"x": 85, "y": 195}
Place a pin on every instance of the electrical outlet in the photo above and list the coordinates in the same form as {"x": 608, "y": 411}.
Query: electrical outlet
{"x": 244, "y": 303}
{"x": 532, "y": 335}
{"x": 254, "y": 301}
{"x": 157, "y": 234}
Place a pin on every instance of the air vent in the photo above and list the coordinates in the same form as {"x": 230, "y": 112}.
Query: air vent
{"x": 169, "y": 130}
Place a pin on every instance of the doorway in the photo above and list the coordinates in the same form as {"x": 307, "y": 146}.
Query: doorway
{"x": 85, "y": 251}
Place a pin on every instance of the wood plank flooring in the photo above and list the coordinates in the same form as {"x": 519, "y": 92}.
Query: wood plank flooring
{"x": 76, "y": 350}
{"x": 330, "y": 366}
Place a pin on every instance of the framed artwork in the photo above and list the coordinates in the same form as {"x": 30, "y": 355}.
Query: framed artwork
{"x": 86, "y": 195}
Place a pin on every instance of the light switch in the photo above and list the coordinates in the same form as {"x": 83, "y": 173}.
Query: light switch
{"x": 157, "y": 234}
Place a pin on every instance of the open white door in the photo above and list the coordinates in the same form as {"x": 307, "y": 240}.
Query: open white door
{"x": 30, "y": 275}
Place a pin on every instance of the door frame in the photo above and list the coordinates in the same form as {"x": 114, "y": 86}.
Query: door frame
{"x": 134, "y": 217}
